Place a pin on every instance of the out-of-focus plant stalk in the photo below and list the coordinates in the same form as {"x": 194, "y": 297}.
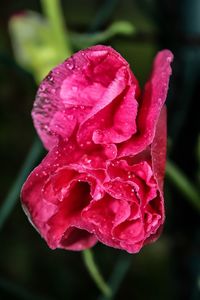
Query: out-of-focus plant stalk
{"x": 95, "y": 274}
{"x": 14, "y": 192}
{"x": 183, "y": 184}
{"x": 52, "y": 12}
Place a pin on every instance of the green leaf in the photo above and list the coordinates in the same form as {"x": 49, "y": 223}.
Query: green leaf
{"x": 117, "y": 28}
{"x": 183, "y": 184}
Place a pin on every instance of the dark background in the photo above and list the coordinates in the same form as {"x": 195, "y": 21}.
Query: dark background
{"x": 168, "y": 269}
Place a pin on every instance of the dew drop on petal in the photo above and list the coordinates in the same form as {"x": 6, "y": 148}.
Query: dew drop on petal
{"x": 70, "y": 64}
{"x": 74, "y": 88}
{"x": 70, "y": 117}
{"x": 129, "y": 175}
{"x": 98, "y": 196}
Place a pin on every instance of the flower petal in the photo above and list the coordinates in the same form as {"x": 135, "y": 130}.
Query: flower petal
{"x": 153, "y": 99}
{"x": 158, "y": 148}
{"x": 79, "y": 88}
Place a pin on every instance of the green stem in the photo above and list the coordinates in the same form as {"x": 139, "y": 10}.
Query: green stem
{"x": 14, "y": 192}
{"x": 95, "y": 274}
{"x": 119, "y": 272}
{"x": 183, "y": 184}
{"x": 52, "y": 11}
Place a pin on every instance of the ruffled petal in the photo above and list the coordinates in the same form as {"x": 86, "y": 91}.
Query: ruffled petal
{"x": 82, "y": 88}
{"x": 153, "y": 99}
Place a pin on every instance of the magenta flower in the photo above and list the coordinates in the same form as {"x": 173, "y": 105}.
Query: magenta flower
{"x": 102, "y": 179}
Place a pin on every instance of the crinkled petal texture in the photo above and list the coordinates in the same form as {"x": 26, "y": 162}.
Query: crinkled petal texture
{"x": 93, "y": 90}
{"x": 102, "y": 179}
{"x": 75, "y": 200}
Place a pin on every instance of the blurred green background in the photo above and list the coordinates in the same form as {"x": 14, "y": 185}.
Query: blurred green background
{"x": 168, "y": 269}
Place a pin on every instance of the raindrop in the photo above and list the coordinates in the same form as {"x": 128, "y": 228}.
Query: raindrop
{"x": 50, "y": 78}
{"x": 98, "y": 196}
{"x": 169, "y": 59}
{"x": 70, "y": 117}
{"x": 74, "y": 88}
{"x": 70, "y": 64}
{"x": 129, "y": 175}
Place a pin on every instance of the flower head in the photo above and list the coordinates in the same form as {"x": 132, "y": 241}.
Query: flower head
{"x": 102, "y": 179}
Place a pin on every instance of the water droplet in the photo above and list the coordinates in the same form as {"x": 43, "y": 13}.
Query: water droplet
{"x": 70, "y": 64}
{"x": 70, "y": 117}
{"x": 74, "y": 88}
{"x": 169, "y": 59}
{"x": 98, "y": 196}
{"x": 129, "y": 175}
{"x": 46, "y": 101}
{"x": 50, "y": 78}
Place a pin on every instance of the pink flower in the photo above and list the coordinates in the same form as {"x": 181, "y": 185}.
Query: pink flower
{"x": 102, "y": 179}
